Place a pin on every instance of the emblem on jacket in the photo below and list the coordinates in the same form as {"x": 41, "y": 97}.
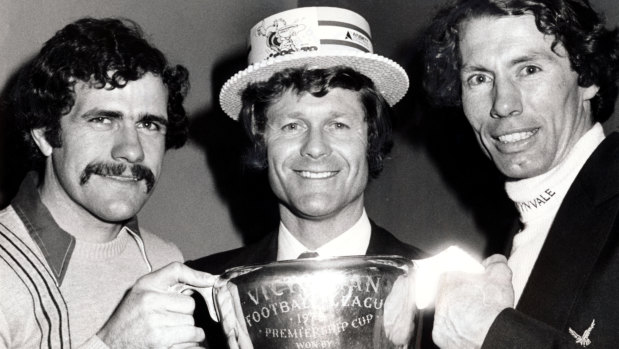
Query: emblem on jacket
{"x": 584, "y": 339}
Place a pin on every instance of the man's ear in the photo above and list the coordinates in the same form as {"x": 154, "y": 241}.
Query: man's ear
{"x": 590, "y": 91}
{"x": 254, "y": 128}
{"x": 38, "y": 134}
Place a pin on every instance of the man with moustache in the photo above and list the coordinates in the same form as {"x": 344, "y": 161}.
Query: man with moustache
{"x": 535, "y": 80}
{"x": 97, "y": 108}
{"x": 318, "y": 120}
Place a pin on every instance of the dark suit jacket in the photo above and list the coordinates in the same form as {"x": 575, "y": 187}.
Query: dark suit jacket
{"x": 265, "y": 251}
{"x": 576, "y": 277}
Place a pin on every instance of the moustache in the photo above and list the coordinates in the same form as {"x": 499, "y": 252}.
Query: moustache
{"x": 139, "y": 172}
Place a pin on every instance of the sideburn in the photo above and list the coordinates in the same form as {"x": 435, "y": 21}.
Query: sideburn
{"x": 53, "y": 137}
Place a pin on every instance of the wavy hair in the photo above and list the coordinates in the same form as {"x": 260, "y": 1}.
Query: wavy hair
{"x": 593, "y": 50}
{"x": 259, "y": 96}
{"x": 88, "y": 50}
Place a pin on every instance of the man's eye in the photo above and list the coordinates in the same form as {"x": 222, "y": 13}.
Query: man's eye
{"x": 339, "y": 125}
{"x": 293, "y": 126}
{"x": 151, "y": 126}
{"x": 101, "y": 120}
{"x": 478, "y": 79}
{"x": 530, "y": 69}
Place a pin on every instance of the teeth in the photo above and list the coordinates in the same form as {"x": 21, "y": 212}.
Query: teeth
{"x": 316, "y": 175}
{"x": 123, "y": 178}
{"x": 515, "y": 137}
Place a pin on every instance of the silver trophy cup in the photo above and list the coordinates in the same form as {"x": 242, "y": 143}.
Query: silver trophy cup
{"x": 360, "y": 302}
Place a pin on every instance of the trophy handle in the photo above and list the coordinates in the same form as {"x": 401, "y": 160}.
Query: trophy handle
{"x": 429, "y": 270}
{"x": 208, "y": 295}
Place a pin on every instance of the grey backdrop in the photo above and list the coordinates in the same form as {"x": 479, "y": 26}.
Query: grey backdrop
{"x": 436, "y": 189}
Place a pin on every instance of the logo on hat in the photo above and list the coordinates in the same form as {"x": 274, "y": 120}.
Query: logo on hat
{"x": 282, "y": 38}
{"x": 358, "y": 38}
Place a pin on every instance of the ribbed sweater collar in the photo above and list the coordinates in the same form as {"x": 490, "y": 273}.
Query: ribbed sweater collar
{"x": 101, "y": 251}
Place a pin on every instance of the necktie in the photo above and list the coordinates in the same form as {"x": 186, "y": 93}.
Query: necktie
{"x": 308, "y": 255}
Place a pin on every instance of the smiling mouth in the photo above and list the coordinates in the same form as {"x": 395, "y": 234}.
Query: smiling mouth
{"x": 122, "y": 178}
{"x": 316, "y": 175}
{"x": 516, "y": 136}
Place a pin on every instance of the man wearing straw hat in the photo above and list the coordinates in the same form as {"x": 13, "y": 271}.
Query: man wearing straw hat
{"x": 315, "y": 104}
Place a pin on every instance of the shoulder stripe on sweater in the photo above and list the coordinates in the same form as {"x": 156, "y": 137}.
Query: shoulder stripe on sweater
{"x": 50, "y": 309}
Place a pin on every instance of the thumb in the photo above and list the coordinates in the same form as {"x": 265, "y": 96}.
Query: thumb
{"x": 175, "y": 273}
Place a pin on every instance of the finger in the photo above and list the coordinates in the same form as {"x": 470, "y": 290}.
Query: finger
{"x": 178, "y": 303}
{"x": 172, "y": 319}
{"x": 187, "y": 346}
{"x": 495, "y": 258}
{"x": 232, "y": 341}
{"x": 244, "y": 340}
{"x": 196, "y": 278}
{"x": 177, "y": 335}
{"x": 499, "y": 274}
{"x": 227, "y": 311}
{"x": 175, "y": 273}
{"x": 452, "y": 278}
{"x": 163, "y": 302}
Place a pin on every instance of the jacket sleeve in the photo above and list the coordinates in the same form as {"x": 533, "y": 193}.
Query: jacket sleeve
{"x": 513, "y": 329}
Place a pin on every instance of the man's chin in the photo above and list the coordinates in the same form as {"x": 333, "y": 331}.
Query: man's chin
{"x": 316, "y": 209}
{"x": 117, "y": 212}
{"x": 521, "y": 171}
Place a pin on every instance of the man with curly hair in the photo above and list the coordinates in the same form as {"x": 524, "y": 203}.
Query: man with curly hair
{"x": 97, "y": 109}
{"x": 535, "y": 79}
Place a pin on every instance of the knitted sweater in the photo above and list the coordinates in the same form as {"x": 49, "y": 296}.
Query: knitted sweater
{"x": 34, "y": 304}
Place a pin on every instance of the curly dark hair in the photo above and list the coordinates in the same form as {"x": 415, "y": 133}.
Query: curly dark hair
{"x": 87, "y": 50}
{"x": 259, "y": 96}
{"x": 593, "y": 50}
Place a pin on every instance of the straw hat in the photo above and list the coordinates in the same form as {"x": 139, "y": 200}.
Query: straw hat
{"x": 316, "y": 37}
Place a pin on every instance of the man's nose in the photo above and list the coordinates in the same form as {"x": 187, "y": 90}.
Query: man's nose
{"x": 316, "y": 144}
{"x": 127, "y": 145}
{"x": 507, "y": 99}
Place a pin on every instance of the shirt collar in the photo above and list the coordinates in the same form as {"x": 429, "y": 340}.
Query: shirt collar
{"x": 354, "y": 241}
{"x": 56, "y": 244}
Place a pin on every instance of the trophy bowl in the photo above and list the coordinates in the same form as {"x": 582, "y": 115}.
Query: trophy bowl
{"x": 358, "y": 302}
{"x": 342, "y": 302}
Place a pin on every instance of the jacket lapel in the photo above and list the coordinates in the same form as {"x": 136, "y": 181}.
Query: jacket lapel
{"x": 377, "y": 245}
{"x": 383, "y": 242}
{"x": 575, "y": 240}
{"x": 264, "y": 251}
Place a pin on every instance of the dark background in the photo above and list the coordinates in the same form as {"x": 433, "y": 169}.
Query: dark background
{"x": 437, "y": 188}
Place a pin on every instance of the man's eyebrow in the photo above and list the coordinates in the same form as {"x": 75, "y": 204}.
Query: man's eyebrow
{"x": 342, "y": 114}
{"x": 291, "y": 115}
{"x": 102, "y": 112}
{"x": 156, "y": 118}
{"x": 96, "y": 112}
{"x": 473, "y": 67}
{"x": 530, "y": 57}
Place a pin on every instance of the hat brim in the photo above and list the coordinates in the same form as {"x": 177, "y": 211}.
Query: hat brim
{"x": 389, "y": 78}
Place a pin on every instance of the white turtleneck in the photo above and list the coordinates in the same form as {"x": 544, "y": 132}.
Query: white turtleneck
{"x": 538, "y": 199}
